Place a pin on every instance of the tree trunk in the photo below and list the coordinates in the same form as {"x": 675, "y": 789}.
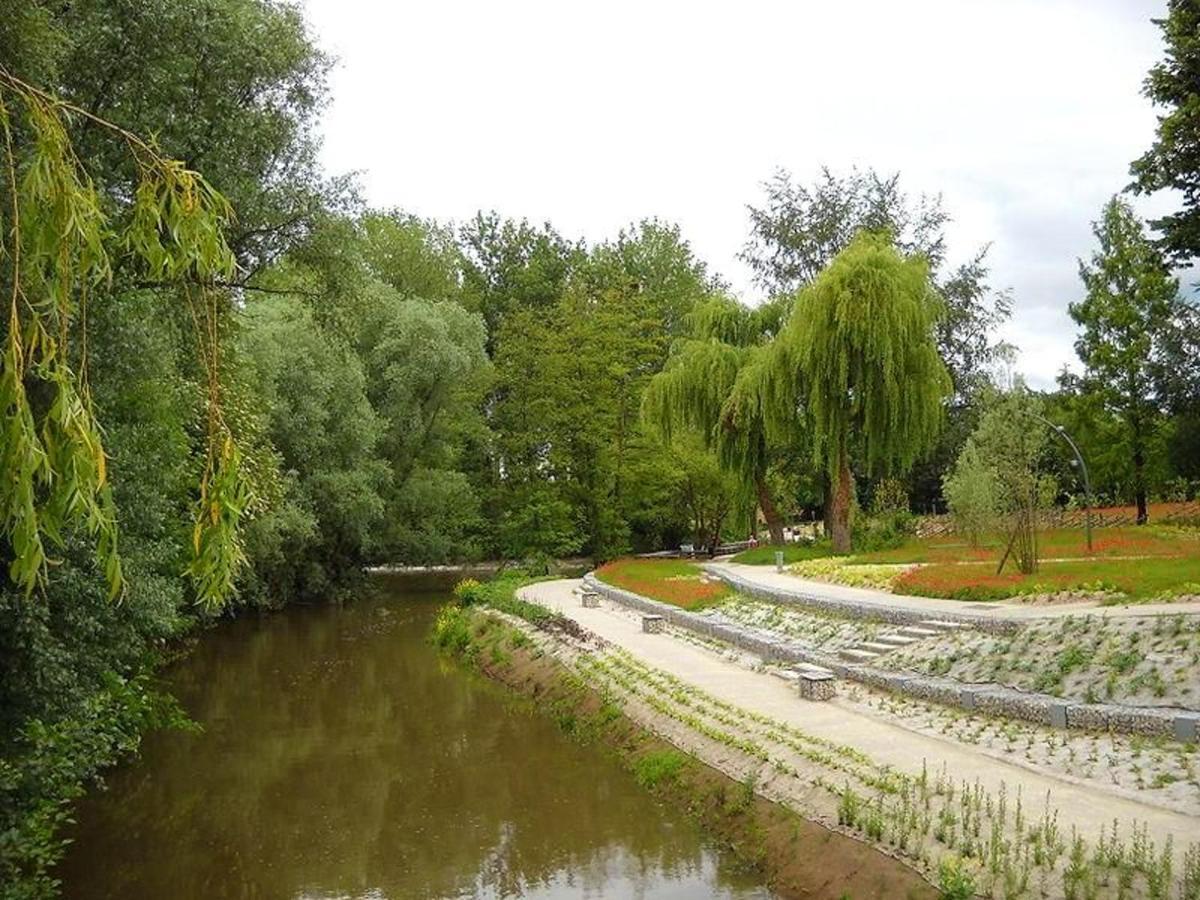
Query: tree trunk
{"x": 770, "y": 513}
{"x": 840, "y": 508}
{"x": 1139, "y": 485}
{"x": 827, "y": 504}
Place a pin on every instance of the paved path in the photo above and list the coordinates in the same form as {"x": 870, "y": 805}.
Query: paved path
{"x": 1084, "y": 806}
{"x": 932, "y": 607}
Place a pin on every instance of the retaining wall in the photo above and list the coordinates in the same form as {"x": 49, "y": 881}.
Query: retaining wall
{"x": 855, "y": 610}
{"x": 992, "y": 699}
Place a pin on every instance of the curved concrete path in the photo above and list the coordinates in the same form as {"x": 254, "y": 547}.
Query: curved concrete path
{"x": 932, "y": 607}
{"x": 1086, "y": 807}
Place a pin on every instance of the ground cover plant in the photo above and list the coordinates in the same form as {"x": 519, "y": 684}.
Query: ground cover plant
{"x": 679, "y": 582}
{"x": 1158, "y": 769}
{"x": 1143, "y": 661}
{"x": 813, "y": 629}
{"x": 764, "y": 554}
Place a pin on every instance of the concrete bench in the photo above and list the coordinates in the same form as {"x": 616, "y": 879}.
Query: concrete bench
{"x": 815, "y": 685}
{"x": 653, "y": 624}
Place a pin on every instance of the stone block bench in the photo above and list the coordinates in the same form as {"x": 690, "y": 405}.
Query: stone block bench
{"x": 591, "y": 600}
{"x": 653, "y": 624}
{"x": 815, "y": 685}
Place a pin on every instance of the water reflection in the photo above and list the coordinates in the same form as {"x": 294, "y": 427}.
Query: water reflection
{"x": 341, "y": 758}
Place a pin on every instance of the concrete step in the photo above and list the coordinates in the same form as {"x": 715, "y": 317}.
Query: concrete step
{"x": 875, "y": 647}
{"x": 856, "y": 655}
{"x": 895, "y": 640}
{"x": 942, "y": 625}
{"x": 917, "y": 632}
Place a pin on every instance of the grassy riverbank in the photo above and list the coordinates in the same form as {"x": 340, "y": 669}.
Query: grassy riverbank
{"x": 797, "y": 858}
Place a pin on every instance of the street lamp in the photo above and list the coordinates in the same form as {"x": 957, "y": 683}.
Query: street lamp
{"x": 1087, "y": 484}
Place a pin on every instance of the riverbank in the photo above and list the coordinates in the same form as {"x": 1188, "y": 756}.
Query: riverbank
{"x": 1025, "y": 831}
{"x": 798, "y": 858}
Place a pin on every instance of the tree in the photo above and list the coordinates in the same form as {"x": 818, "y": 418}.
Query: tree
{"x": 1132, "y": 303}
{"x": 718, "y": 383}
{"x": 509, "y": 266}
{"x": 800, "y": 229}
{"x": 1173, "y": 160}
{"x": 860, "y": 340}
{"x": 970, "y": 489}
{"x": 1008, "y": 446}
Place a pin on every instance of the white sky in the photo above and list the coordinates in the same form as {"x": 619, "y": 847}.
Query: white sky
{"x": 1024, "y": 114}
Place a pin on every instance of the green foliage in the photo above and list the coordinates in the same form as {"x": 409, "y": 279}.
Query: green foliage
{"x": 954, "y": 879}
{"x": 57, "y": 248}
{"x": 860, "y": 342}
{"x": 863, "y": 341}
{"x": 1008, "y": 447}
{"x": 658, "y": 767}
{"x": 970, "y": 489}
{"x": 1173, "y": 160}
{"x": 47, "y": 771}
{"x": 1129, "y": 316}
{"x": 800, "y": 229}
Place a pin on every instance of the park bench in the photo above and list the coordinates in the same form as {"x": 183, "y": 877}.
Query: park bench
{"x": 815, "y": 685}
{"x": 653, "y": 624}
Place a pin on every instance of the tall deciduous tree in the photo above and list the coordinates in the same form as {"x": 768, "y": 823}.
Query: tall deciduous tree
{"x": 800, "y": 228}
{"x": 1131, "y": 309}
{"x": 861, "y": 338}
{"x": 718, "y": 383}
{"x": 1173, "y": 160}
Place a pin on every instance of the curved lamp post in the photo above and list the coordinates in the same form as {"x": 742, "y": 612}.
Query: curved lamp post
{"x": 1087, "y": 484}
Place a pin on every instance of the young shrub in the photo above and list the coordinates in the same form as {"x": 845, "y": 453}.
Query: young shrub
{"x": 467, "y": 592}
{"x": 954, "y": 880}
{"x": 970, "y": 490}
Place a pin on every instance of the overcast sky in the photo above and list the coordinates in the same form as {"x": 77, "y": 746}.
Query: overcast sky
{"x": 1024, "y": 115}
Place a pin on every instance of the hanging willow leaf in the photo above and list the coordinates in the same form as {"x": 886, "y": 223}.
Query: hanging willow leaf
{"x": 53, "y": 249}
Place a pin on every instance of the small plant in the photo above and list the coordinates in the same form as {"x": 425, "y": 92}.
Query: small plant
{"x": 954, "y": 879}
{"x": 658, "y": 766}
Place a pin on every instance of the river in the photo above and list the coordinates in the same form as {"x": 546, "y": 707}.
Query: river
{"x": 342, "y": 757}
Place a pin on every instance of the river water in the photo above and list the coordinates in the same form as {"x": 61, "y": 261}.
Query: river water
{"x": 342, "y": 757}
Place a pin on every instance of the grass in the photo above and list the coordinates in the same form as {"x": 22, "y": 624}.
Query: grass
{"x": 670, "y": 580}
{"x": 764, "y": 555}
{"x": 1055, "y": 543}
{"x": 1131, "y": 563}
{"x": 1140, "y": 580}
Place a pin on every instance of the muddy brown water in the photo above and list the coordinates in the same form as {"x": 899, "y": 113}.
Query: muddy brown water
{"x": 341, "y": 757}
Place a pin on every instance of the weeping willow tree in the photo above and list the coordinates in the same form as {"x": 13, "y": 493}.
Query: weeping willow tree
{"x": 60, "y": 238}
{"x": 718, "y": 383}
{"x": 860, "y": 346}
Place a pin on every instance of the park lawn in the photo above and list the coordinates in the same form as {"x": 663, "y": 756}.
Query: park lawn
{"x": 764, "y": 554}
{"x": 1054, "y": 543}
{"x": 672, "y": 581}
{"x": 1138, "y": 580}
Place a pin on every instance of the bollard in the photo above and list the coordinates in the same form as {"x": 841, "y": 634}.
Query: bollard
{"x": 779, "y": 561}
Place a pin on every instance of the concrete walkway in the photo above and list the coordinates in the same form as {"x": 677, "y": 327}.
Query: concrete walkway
{"x": 932, "y": 607}
{"x": 1086, "y": 807}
